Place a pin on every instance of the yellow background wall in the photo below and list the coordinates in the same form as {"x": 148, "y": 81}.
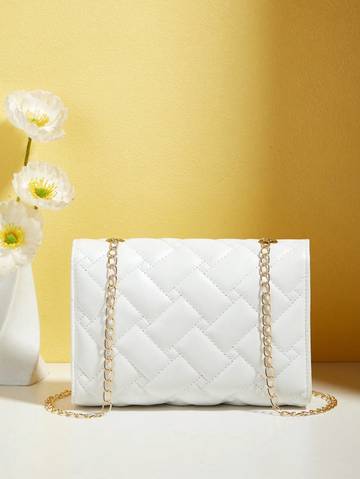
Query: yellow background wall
{"x": 197, "y": 119}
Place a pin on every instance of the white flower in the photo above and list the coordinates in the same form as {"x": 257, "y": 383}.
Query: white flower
{"x": 39, "y": 113}
{"x": 20, "y": 235}
{"x": 43, "y": 185}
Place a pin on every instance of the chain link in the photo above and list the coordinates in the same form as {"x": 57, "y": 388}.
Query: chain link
{"x": 109, "y": 336}
{"x": 266, "y": 334}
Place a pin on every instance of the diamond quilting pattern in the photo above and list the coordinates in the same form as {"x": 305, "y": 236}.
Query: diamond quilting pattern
{"x": 187, "y": 322}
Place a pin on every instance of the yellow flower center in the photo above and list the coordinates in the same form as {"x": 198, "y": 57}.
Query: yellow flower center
{"x": 11, "y": 236}
{"x": 38, "y": 119}
{"x": 41, "y": 188}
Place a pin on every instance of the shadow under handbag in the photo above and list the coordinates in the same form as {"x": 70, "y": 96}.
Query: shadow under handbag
{"x": 190, "y": 322}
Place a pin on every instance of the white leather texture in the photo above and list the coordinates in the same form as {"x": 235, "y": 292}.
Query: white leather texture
{"x": 187, "y": 322}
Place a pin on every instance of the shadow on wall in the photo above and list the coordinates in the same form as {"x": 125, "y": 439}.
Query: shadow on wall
{"x": 12, "y": 150}
{"x": 312, "y": 170}
{"x": 338, "y": 376}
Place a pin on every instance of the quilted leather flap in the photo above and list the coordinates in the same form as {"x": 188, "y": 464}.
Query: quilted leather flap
{"x": 187, "y": 321}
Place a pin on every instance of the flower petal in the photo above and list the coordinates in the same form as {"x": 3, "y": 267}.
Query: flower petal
{"x": 43, "y": 185}
{"x": 28, "y": 109}
{"x": 18, "y": 217}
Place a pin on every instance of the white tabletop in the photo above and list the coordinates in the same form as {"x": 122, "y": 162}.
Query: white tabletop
{"x": 181, "y": 442}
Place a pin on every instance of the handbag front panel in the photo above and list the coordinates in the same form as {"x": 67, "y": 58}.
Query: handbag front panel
{"x": 187, "y": 322}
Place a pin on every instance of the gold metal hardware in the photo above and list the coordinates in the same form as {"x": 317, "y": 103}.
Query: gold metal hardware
{"x": 109, "y": 334}
{"x": 266, "y": 334}
{"x": 266, "y": 321}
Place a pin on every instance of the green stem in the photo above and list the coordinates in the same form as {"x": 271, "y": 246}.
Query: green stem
{"x": 28, "y": 146}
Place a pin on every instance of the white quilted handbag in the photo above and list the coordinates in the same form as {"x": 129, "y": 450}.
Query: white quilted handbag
{"x": 190, "y": 322}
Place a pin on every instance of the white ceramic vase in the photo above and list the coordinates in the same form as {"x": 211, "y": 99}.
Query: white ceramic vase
{"x": 20, "y": 360}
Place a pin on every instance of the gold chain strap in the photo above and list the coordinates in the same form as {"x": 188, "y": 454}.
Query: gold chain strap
{"x": 265, "y": 313}
{"x": 110, "y": 298}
